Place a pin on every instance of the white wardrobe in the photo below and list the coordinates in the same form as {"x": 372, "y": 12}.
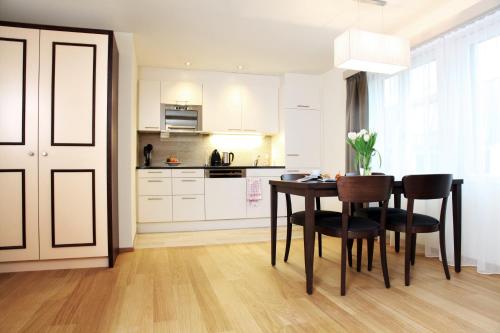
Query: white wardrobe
{"x": 57, "y": 138}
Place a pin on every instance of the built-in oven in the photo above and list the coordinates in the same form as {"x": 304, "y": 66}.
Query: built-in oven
{"x": 181, "y": 118}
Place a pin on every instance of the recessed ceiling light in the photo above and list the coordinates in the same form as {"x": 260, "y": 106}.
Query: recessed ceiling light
{"x": 240, "y": 67}
{"x": 188, "y": 63}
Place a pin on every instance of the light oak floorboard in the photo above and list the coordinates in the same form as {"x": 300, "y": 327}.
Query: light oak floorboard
{"x": 233, "y": 288}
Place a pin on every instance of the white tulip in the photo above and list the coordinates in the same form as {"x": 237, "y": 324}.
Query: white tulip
{"x": 366, "y": 137}
{"x": 351, "y": 135}
{"x": 363, "y": 132}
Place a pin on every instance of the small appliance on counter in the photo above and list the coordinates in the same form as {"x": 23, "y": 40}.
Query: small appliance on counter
{"x": 147, "y": 154}
{"x": 227, "y": 158}
{"x": 215, "y": 159}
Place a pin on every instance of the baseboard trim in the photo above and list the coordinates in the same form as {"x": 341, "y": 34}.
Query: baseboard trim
{"x": 126, "y": 249}
{"x": 205, "y": 225}
{"x": 43, "y": 265}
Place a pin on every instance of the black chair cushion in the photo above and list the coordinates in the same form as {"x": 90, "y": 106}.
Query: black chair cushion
{"x": 421, "y": 222}
{"x": 300, "y": 217}
{"x": 358, "y": 227}
{"x": 373, "y": 213}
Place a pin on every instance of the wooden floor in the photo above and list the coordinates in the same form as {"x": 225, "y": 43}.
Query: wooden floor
{"x": 233, "y": 288}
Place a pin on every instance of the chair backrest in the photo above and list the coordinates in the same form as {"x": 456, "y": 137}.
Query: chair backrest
{"x": 433, "y": 186}
{"x": 292, "y": 177}
{"x": 360, "y": 189}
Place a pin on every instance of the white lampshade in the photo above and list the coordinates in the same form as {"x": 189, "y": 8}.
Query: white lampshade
{"x": 371, "y": 52}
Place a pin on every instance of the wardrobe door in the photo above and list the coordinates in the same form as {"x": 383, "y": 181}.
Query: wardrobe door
{"x": 72, "y": 144}
{"x": 18, "y": 144}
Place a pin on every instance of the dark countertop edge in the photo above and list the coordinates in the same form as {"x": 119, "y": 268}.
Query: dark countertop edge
{"x": 208, "y": 167}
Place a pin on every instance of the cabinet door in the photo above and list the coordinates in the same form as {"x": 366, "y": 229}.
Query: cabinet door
{"x": 149, "y": 106}
{"x": 302, "y": 138}
{"x": 185, "y": 93}
{"x": 301, "y": 91}
{"x": 18, "y": 144}
{"x": 188, "y": 208}
{"x": 260, "y": 104}
{"x": 225, "y": 198}
{"x": 73, "y": 100}
{"x": 262, "y": 208}
{"x": 222, "y": 104}
{"x": 152, "y": 209}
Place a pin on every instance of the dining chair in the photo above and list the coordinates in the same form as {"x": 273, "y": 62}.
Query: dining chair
{"x": 359, "y": 189}
{"x": 422, "y": 187}
{"x": 299, "y": 217}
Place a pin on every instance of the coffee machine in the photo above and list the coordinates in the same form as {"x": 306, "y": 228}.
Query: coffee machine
{"x": 148, "y": 154}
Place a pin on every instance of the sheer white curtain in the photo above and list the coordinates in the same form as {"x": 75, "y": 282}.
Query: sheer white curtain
{"x": 442, "y": 116}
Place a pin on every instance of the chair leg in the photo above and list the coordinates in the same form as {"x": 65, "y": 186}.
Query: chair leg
{"x": 343, "y": 266}
{"x": 396, "y": 241}
{"x": 407, "y": 258}
{"x": 383, "y": 258}
{"x": 413, "y": 248}
{"x": 288, "y": 240}
{"x": 350, "y": 243}
{"x": 359, "y": 253}
{"x": 371, "y": 242}
{"x": 442, "y": 244}
{"x": 320, "y": 245}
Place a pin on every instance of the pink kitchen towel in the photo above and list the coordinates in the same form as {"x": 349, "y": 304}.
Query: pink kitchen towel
{"x": 254, "y": 191}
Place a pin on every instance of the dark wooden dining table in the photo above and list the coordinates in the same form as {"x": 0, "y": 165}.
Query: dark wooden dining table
{"x": 311, "y": 190}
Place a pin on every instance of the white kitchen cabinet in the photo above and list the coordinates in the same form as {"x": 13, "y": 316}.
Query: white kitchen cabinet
{"x": 154, "y": 173}
{"x": 188, "y": 173}
{"x": 188, "y": 208}
{"x": 151, "y": 209}
{"x": 302, "y": 138}
{"x": 222, "y": 104}
{"x": 181, "y": 92}
{"x": 262, "y": 208}
{"x": 301, "y": 91}
{"x": 241, "y": 103}
{"x": 225, "y": 198}
{"x": 260, "y": 104}
{"x": 149, "y": 105}
{"x": 154, "y": 186}
{"x": 183, "y": 186}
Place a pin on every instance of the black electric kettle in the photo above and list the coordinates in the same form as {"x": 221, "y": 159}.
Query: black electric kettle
{"x": 215, "y": 159}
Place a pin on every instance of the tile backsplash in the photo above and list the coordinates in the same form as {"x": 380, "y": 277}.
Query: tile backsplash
{"x": 196, "y": 149}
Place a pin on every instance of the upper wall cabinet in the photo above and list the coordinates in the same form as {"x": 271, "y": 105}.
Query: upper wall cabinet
{"x": 184, "y": 92}
{"x": 222, "y": 104}
{"x": 240, "y": 103}
{"x": 260, "y": 104}
{"x": 301, "y": 91}
{"x": 149, "y": 105}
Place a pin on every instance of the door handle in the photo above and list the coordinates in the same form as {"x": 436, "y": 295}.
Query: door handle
{"x": 294, "y": 155}
{"x": 188, "y": 180}
{"x": 31, "y": 153}
{"x": 155, "y": 181}
{"x": 187, "y": 198}
{"x": 45, "y": 153}
{"x": 155, "y": 198}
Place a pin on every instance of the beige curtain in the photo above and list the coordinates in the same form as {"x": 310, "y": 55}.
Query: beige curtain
{"x": 356, "y": 112}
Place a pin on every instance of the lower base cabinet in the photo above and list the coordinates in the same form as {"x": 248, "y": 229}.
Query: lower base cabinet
{"x": 225, "y": 198}
{"x": 189, "y": 208}
{"x": 154, "y": 208}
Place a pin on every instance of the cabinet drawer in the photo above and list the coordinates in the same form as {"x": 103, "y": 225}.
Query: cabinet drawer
{"x": 182, "y": 186}
{"x": 154, "y": 209}
{"x": 154, "y": 186}
{"x": 189, "y": 208}
{"x": 153, "y": 173}
{"x": 263, "y": 172}
{"x": 188, "y": 173}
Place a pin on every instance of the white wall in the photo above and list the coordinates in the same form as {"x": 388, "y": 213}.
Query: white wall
{"x": 127, "y": 137}
{"x": 334, "y": 119}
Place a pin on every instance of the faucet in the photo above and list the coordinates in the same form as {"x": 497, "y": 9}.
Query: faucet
{"x": 256, "y": 162}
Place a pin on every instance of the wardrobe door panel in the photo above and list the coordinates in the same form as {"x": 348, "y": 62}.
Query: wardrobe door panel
{"x": 18, "y": 144}
{"x": 73, "y": 144}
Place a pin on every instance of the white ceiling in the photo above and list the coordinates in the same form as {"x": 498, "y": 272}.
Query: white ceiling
{"x": 265, "y": 36}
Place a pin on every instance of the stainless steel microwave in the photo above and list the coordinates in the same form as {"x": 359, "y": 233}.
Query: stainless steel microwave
{"x": 181, "y": 118}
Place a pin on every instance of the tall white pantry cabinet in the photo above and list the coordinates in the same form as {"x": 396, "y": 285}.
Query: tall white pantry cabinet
{"x": 58, "y": 117}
